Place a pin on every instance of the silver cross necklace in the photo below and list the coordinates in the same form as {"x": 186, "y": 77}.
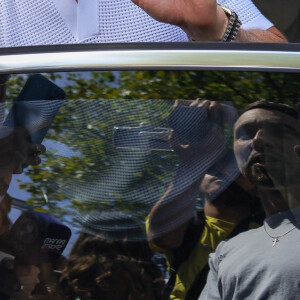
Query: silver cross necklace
{"x": 276, "y": 238}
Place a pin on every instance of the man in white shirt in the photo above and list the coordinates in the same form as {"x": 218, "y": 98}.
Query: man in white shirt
{"x": 25, "y": 23}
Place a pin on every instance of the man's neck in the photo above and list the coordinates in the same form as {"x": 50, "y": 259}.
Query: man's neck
{"x": 272, "y": 201}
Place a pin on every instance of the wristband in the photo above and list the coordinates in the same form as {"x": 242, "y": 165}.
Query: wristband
{"x": 233, "y": 26}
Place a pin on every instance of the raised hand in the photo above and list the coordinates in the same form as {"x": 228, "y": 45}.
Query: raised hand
{"x": 200, "y": 19}
{"x": 203, "y": 20}
{"x": 198, "y": 127}
{"x": 198, "y": 138}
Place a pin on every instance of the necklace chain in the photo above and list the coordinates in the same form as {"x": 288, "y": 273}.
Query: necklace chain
{"x": 276, "y": 238}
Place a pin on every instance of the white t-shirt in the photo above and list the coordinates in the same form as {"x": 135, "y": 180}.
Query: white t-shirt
{"x": 45, "y": 22}
{"x": 249, "y": 267}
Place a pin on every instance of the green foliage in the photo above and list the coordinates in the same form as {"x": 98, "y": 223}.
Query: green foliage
{"x": 84, "y": 171}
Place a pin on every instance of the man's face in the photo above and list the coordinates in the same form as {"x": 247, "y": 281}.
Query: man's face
{"x": 264, "y": 142}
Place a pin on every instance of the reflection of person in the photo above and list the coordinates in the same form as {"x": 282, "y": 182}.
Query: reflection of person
{"x": 69, "y": 22}
{"x": 15, "y": 152}
{"x": 262, "y": 263}
{"x": 274, "y": 160}
{"x": 208, "y": 167}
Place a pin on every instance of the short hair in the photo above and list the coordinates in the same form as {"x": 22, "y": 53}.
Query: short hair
{"x": 284, "y": 108}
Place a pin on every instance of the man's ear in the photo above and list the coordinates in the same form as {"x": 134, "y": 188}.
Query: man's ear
{"x": 297, "y": 151}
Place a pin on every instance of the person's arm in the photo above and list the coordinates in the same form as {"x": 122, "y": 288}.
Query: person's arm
{"x": 272, "y": 35}
{"x": 203, "y": 20}
{"x": 160, "y": 217}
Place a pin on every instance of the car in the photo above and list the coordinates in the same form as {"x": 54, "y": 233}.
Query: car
{"x": 106, "y": 115}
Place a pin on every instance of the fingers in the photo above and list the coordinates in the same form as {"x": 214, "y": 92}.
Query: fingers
{"x": 18, "y": 154}
{"x": 214, "y": 110}
{"x": 180, "y": 102}
{"x": 36, "y": 149}
{"x": 32, "y": 154}
{"x": 28, "y": 155}
{"x": 201, "y": 103}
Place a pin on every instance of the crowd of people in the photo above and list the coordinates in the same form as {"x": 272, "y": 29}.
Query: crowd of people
{"x": 241, "y": 245}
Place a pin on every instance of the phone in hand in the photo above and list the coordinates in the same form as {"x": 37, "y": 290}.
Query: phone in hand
{"x": 38, "y": 103}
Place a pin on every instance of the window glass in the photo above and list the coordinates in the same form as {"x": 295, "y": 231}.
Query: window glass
{"x": 106, "y": 179}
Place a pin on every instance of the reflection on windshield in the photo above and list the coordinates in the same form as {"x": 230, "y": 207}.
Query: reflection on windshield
{"x": 124, "y": 185}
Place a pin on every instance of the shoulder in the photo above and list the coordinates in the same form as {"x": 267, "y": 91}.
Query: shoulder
{"x": 239, "y": 242}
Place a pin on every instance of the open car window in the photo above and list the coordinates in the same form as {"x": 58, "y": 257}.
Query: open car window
{"x": 105, "y": 174}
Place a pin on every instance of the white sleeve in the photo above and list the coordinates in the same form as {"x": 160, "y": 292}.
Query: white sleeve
{"x": 210, "y": 291}
{"x": 248, "y": 13}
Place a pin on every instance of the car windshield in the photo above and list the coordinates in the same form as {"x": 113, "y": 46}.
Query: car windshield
{"x": 114, "y": 181}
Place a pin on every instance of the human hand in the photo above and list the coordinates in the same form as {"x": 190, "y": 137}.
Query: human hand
{"x": 209, "y": 147}
{"x": 16, "y": 150}
{"x": 198, "y": 128}
{"x": 202, "y": 20}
